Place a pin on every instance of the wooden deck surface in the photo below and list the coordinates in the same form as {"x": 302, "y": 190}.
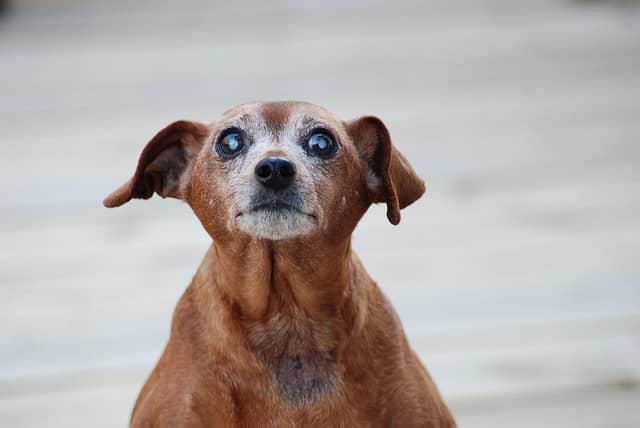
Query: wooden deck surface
{"x": 517, "y": 276}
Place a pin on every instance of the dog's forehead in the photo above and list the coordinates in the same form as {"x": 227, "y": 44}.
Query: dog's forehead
{"x": 278, "y": 117}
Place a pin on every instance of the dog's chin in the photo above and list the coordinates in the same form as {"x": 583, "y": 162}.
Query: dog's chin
{"x": 276, "y": 224}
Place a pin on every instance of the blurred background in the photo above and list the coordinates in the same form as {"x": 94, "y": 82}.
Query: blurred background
{"x": 516, "y": 276}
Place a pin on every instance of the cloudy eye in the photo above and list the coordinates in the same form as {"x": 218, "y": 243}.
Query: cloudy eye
{"x": 321, "y": 144}
{"x": 230, "y": 144}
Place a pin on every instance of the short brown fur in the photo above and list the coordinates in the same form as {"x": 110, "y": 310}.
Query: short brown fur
{"x": 284, "y": 333}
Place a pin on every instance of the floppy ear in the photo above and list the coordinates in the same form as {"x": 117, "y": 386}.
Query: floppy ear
{"x": 390, "y": 178}
{"x": 165, "y": 164}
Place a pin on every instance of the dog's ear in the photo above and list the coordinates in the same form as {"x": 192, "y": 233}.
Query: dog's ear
{"x": 165, "y": 164}
{"x": 390, "y": 178}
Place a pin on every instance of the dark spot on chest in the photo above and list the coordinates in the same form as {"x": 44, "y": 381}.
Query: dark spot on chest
{"x": 302, "y": 367}
{"x": 297, "y": 364}
{"x": 301, "y": 380}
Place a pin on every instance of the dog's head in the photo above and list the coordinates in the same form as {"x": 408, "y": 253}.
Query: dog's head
{"x": 276, "y": 171}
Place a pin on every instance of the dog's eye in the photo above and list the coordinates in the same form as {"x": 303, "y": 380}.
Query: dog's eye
{"x": 230, "y": 144}
{"x": 321, "y": 144}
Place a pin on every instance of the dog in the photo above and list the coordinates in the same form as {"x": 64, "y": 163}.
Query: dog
{"x": 281, "y": 325}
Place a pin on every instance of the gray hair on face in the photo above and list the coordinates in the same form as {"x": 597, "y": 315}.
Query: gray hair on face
{"x": 244, "y": 188}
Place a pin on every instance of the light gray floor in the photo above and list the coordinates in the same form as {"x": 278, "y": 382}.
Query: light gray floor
{"x": 517, "y": 276}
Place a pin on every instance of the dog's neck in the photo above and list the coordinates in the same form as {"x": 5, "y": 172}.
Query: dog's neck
{"x": 264, "y": 278}
{"x": 290, "y": 300}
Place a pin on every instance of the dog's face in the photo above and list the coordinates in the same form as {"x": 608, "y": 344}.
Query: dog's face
{"x": 276, "y": 171}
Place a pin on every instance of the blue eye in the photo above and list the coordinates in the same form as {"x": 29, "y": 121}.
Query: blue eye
{"x": 321, "y": 144}
{"x": 230, "y": 144}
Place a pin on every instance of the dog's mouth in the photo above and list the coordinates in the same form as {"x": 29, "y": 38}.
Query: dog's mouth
{"x": 276, "y": 207}
{"x": 277, "y": 217}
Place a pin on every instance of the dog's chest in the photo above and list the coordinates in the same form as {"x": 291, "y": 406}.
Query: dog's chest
{"x": 303, "y": 379}
{"x": 299, "y": 358}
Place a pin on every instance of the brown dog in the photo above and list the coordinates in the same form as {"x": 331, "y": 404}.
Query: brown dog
{"x": 281, "y": 325}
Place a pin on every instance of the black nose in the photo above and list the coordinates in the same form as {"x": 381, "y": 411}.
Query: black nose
{"x": 275, "y": 173}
